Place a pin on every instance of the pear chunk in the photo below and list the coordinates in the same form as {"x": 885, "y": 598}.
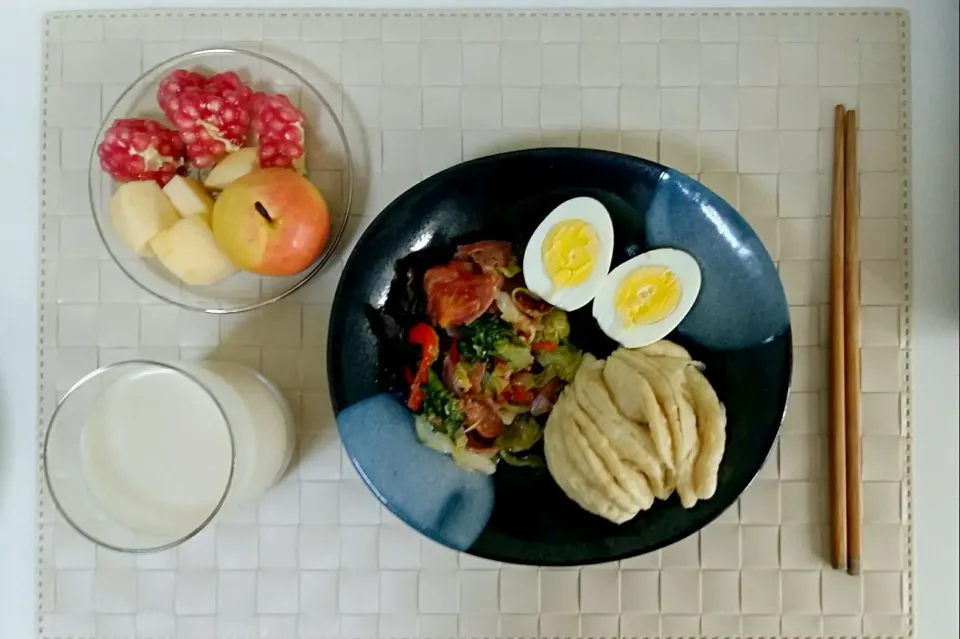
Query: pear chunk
{"x": 232, "y": 168}
{"x": 189, "y": 197}
{"x": 139, "y": 211}
{"x": 189, "y": 251}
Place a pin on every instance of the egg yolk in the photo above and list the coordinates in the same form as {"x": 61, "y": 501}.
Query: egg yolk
{"x": 570, "y": 252}
{"x": 647, "y": 295}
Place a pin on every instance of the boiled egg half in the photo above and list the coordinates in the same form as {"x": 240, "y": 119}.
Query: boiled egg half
{"x": 646, "y": 297}
{"x": 570, "y": 253}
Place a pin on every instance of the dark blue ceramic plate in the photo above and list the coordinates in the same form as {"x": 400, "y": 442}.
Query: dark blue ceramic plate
{"x": 739, "y": 327}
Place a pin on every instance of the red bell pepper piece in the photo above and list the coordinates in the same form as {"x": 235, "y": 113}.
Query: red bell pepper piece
{"x": 522, "y": 395}
{"x": 415, "y": 401}
{"x": 423, "y": 335}
{"x": 454, "y": 352}
{"x": 544, "y": 345}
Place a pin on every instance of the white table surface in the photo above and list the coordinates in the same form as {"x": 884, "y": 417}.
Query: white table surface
{"x": 934, "y": 50}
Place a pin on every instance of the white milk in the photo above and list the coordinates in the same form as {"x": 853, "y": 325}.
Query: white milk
{"x": 156, "y": 450}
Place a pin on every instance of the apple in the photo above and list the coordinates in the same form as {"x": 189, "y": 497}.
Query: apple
{"x": 189, "y": 197}
{"x": 272, "y": 222}
{"x": 232, "y": 168}
{"x": 190, "y": 252}
{"x": 139, "y": 211}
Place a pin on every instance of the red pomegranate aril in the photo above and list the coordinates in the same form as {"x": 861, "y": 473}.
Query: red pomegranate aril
{"x": 137, "y": 149}
{"x": 279, "y": 128}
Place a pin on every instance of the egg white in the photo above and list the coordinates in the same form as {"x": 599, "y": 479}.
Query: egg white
{"x": 686, "y": 270}
{"x": 570, "y": 298}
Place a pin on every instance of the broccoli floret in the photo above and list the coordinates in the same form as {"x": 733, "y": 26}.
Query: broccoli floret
{"x": 562, "y": 362}
{"x": 440, "y": 406}
{"x": 556, "y": 326}
{"x": 490, "y": 337}
{"x": 517, "y": 356}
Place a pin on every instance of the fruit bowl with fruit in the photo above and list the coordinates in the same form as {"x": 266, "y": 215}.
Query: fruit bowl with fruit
{"x": 221, "y": 180}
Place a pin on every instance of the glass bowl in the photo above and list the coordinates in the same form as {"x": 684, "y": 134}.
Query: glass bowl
{"x": 329, "y": 164}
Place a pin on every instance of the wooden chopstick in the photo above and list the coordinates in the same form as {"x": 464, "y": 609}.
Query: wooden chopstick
{"x": 845, "y": 454}
{"x": 851, "y": 312}
{"x": 837, "y": 415}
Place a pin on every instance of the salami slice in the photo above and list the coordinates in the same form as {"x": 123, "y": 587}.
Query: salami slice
{"x": 481, "y": 415}
{"x": 491, "y": 256}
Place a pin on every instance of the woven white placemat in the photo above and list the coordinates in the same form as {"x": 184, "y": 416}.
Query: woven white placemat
{"x": 741, "y": 99}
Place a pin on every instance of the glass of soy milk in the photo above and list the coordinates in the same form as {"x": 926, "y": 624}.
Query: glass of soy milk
{"x": 142, "y": 455}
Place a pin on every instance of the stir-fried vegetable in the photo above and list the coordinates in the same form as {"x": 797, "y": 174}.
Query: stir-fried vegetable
{"x": 520, "y": 435}
{"x": 518, "y": 356}
{"x": 555, "y": 328}
{"x": 547, "y": 394}
{"x": 509, "y": 412}
{"x": 516, "y": 394}
{"x": 529, "y": 303}
{"x": 431, "y": 437}
{"x": 479, "y": 339}
{"x": 511, "y": 269}
{"x": 511, "y": 313}
{"x": 531, "y": 460}
{"x": 441, "y": 407}
{"x": 424, "y": 336}
{"x": 488, "y": 338}
{"x": 459, "y": 377}
{"x": 498, "y": 380}
{"x": 481, "y": 461}
{"x": 561, "y": 362}
{"x": 482, "y": 388}
{"x": 520, "y": 390}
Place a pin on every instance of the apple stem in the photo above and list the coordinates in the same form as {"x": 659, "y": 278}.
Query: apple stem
{"x": 262, "y": 210}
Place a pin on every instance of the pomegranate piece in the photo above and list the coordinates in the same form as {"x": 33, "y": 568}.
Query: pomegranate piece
{"x": 212, "y": 118}
{"x": 172, "y": 85}
{"x": 134, "y": 149}
{"x": 279, "y": 129}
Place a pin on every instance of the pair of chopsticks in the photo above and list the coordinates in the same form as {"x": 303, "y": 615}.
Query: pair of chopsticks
{"x": 845, "y": 505}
